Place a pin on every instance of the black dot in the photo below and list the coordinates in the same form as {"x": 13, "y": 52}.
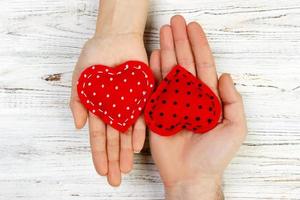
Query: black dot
{"x": 164, "y": 101}
{"x": 152, "y": 101}
{"x": 200, "y": 107}
{"x": 188, "y": 83}
{"x": 187, "y": 105}
{"x": 200, "y": 95}
{"x": 159, "y": 125}
{"x": 174, "y": 115}
{"x": 161, "y": 114}
{"x": 197, "y": 118}
{"x": 184, "y": 126}
{"x": 194, "y": 129}
{"x": 210, "y": 109}
{"x": 176, "y": 91}
{"x": 172, "y": 126}
{"x": 188, "y": 93}
{"x": 164, "y": 90}
{"x": 186, "y": 117}
{"x": 175, "y": 103}
{"x": 211, "y": 97}
{"x": 166, "y": 79}
{"x": 177, "y": 71}
{"x": 177, "y": 80}
{"x": 150, "y": 113}
{"x": 209, "y": 120}
{"x": 199, "y": 85}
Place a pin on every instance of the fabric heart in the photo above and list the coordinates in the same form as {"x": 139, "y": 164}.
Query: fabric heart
{"x": 182, "y": 101}
{"x": 117, "y": 95}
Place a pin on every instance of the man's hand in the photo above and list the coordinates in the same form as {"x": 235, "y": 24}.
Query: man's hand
{"x": 191, "y": 165}
{"x": 118, "y": 38}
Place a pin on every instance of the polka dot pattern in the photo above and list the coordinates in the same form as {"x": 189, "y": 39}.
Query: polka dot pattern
{"x": 182, "y": 101}
{"x": 116, "y": 95}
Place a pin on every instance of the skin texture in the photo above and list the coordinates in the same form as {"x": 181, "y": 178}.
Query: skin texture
{"x": 191, "y": 165}
{"x": 111, "y": 45}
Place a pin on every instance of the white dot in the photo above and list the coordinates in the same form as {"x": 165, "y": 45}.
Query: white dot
{"x": 84, "y": 75}
{"x": 105, "y": 112}
{"x": 114, "y": 105}
{"x": 116, "y": 87}
{"x": 100, "y": 103}
{"x": 122, "y": 98}
{"x": 125, "y": 80}
{"x": 119, "y": 115}
{"x": 139, "y": 83}
{"x": 107, "y": 95}
{"x": 131, "y": 116}
{"x": 102, "y": 85}
{"x": 89, "y": 84}
{"x": 130, "y": 90}
{"x": 94, "y": 111}
{"x": 132, "y": 73}
{"x": 94, "y": 93}
{"x": 98, "y": 76}
{"x": 106, "y": 70}
{"x": 140, "y": 108}
{"x": 124, "y": 124}
{"x": 151, "y": 85}
{"x": 144, "y": 92}
{"x": 93, "y": 67}
{"x": 81, "y": 92}
{"x": 135, "y": 100}
{"x": 111, "y": 122}
{"x": 127, "y": 108}
{"x": 146, "y": 76}
{"x": 111, "y": 79}
{"x": 145, "y": 99}
{"x": 87, "y": 101}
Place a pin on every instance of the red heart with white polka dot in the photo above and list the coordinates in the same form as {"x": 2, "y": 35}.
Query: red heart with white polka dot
{"x": 116, "y": 95}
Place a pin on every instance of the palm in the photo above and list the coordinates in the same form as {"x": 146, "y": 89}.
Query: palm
{"x": 187, "y": 156}
{"x": 112, "y": 152}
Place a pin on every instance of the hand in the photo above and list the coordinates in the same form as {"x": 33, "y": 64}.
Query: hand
{"x": 191, "y": 165}
{"x": 112, "y": 152}
{"x": 118, "y": 38}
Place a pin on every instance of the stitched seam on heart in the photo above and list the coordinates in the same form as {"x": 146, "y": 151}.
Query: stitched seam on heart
{"x": 145, "y": 93}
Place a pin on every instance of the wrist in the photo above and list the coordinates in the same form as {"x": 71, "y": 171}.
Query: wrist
{"x": 203, "y": 189}
{"x": 121, "y": 17}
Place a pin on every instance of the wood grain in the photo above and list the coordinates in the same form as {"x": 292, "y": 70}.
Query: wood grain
{"x": 42, "y": 156}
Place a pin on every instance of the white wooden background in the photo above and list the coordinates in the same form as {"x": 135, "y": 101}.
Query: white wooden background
{"x": 43, "y": 157}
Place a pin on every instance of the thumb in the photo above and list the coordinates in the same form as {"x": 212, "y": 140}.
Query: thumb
{"x": 231, "y": 99}
{"x": 78, "y": 110}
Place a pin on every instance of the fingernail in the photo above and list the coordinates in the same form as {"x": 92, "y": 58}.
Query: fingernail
{"x": 137, "y": 151}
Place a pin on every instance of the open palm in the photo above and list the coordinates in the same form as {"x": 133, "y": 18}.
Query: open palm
{"x": 112, "y": 152}
{"x": 186, "y": 158}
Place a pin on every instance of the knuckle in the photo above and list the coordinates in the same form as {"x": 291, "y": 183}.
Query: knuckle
{"x": 205, "y": 65}
{"x": 99, "y": 134}
{"x": 113, "y": 142}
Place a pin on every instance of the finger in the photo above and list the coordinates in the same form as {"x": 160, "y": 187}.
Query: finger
{"x": 138, "y": 135}
{"x": 205, "y": 64}
{"x": 231, "y": 99}
{"x": 167, "y": 50}
{"x": 97, "y": 131}
{"x": 113, "y": 151}
{"x": 183, "y": 50}
{"x": 155, "y": 64}
{"x": 126, "y": 153}
{"x": 79, "y": 112}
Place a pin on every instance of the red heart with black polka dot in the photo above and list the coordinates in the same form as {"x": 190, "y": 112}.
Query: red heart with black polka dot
{"x": 182, "y": 101}
{"x": 116, "y": 95}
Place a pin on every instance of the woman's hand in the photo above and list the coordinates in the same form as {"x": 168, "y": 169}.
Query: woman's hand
{"x": 118, "y": 38}
{"x": 191, "y": 165}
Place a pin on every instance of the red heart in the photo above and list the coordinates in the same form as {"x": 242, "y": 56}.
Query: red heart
{"x": 117, "y": 95}
{"x": 182, "y": 101}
